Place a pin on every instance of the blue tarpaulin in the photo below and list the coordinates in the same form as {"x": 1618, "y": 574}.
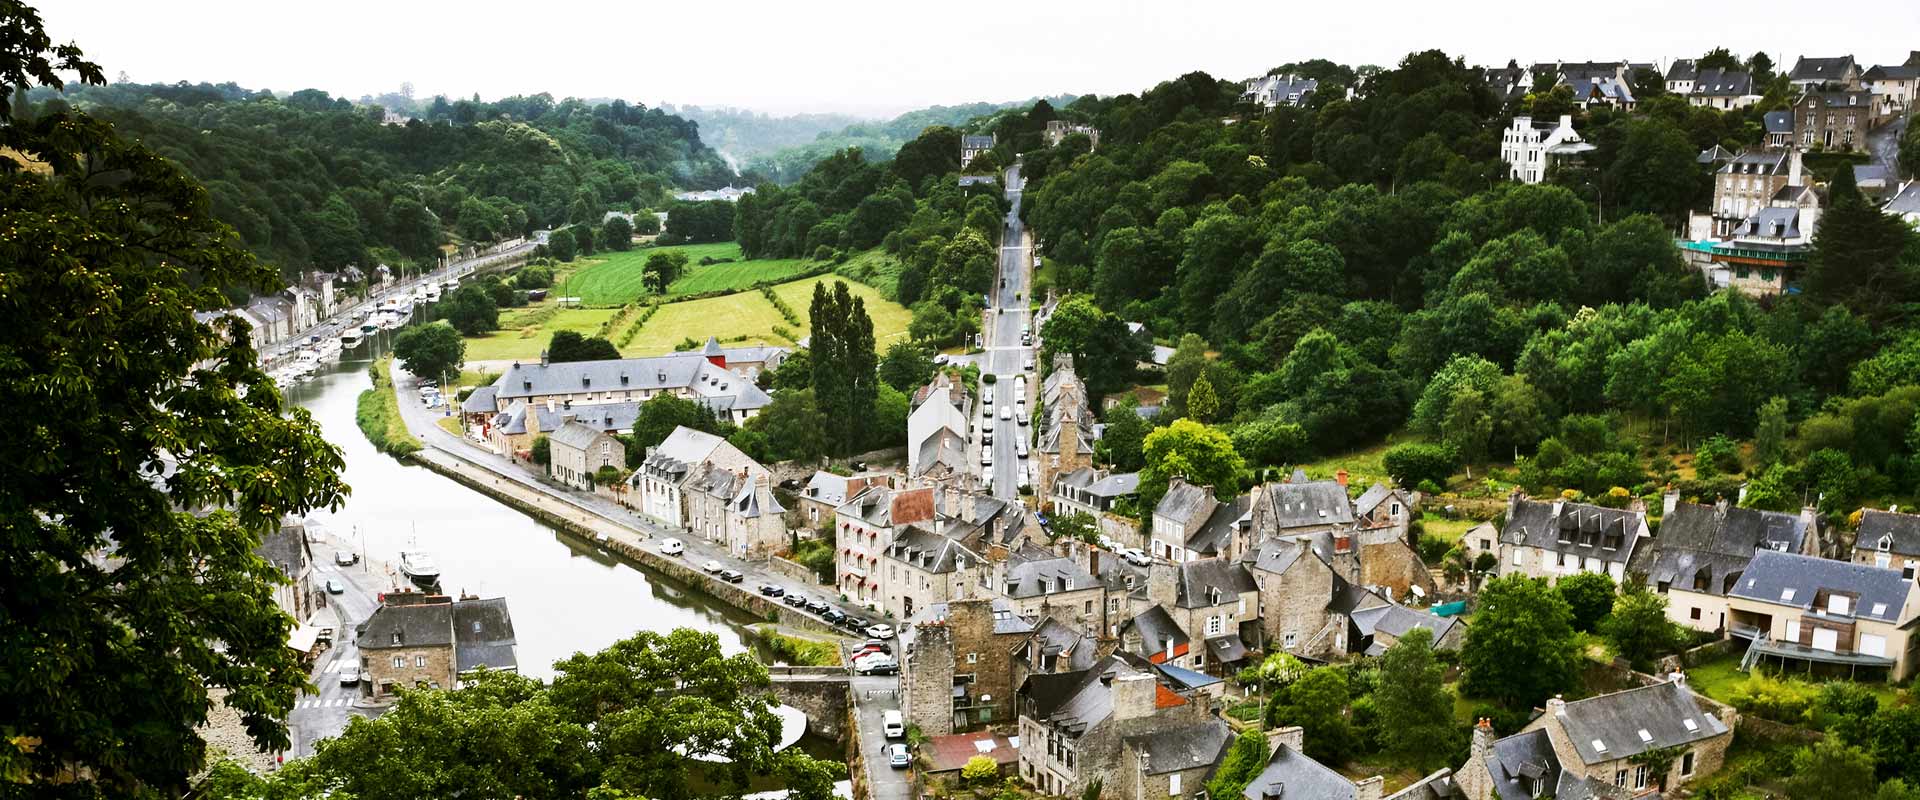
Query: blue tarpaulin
{"x": 1450, "y": 609}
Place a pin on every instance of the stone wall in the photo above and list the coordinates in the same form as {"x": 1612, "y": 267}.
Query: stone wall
{"x": 825, "y": 701}
{"x": 437, "y": 670}
{"x": 926, "y": 680}
{"x": 793, "y": 571}
{"x": 227, "y": 738}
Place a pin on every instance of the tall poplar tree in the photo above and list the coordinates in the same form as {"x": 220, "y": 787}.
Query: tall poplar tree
{"x": 845, "y": 366}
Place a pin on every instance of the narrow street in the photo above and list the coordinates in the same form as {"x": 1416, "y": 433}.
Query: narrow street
{"x": 1007, "y": 356}
{"x": 872, "y": 697}
{"x": 324, "y": 715}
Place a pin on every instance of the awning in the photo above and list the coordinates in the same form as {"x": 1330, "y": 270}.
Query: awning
{"x": 303, "y": 638}
{"x": 1227, "y": 648}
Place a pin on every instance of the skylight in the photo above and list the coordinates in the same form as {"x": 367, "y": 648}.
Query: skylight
{"x": 1645, "y": 736}
{"x": 1879, "y": 609}
{"x": 1786, "y": 594}
{"x": 1599, "y": 746}
{"x": 1691, "y": 725}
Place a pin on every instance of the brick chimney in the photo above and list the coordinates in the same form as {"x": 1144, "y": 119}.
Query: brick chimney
{"x": 1293, "y": 736}
{"x": 1482, "y": 743}
{"x": 1340, "y": 477}
{"x": 1369, "y": 789}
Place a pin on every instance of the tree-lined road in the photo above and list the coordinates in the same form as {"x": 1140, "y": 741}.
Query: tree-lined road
{"x": 1006, "y": 355}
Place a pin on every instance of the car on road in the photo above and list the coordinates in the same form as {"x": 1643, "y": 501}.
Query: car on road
{"x": 770, "y": 590}
{"x": 817, "y": 605}
{"x": 986, "y": 436}
{"x": 876, "y": 645}
{"x": 732, "y": 575}
{"x": 1029, "y": 365}
{"x": 1006, "y": 412}
{"x": 1024, "y": 418}
{"x": 344, "y": 558}
{"x": 881, "y": 631}
{"x": 349, "y": 677}
{"x": 1134, "y": 556}
{"x": 796, "y": 599}
{"x": 1020, "y": 447}
{"x": 672, "y": 547}
{"x": 335, "y": 587}
{"x": 855, "y": 624}
{"x": 986, "y": 456}
{"x": 833, "y": 615}
{"x": 987, "y": 397}
{"x": 712, "y": 567}
{"x": 892, "y": 724}
{"x": 897, "y": 756}
{"x": 883, "y": 665}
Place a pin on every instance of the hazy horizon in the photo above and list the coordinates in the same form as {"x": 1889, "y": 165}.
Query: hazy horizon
{"x": 877, "y": 60}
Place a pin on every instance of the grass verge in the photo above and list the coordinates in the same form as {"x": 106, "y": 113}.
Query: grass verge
{"x": 378, "y": 413}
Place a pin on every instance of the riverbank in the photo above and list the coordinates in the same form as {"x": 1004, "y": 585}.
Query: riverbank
{"x": 378, "y": 413}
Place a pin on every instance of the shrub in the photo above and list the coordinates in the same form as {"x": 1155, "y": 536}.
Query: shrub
{"x": 1772, "y": 698}
{"x": 979, "y": 770}
{"x": 1433, "y": 548}
{"x": 542, "y": 450}
{"x": 1414, "y": 463}
{"x": 823, "y": 253}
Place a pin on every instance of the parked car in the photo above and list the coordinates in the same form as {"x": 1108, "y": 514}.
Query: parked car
{"x": 817, "y": 605}
{"x": 881, "y": 631}
{"x": 833, "y": 615}
{"x": 878, "y": 665}
{"x": 892, "y": 724}
{"x": 672, "y": 547}
{"x": 770, "y": 590}
{"x": 732, "y": 575}
{"x": 1029, "y": 365}
{"x": 855, "y": 624}
{"x": 986, "y": 456}
{"x": 1107, "y": 542}
{"x": 796, "y": 599}
{"x": 1134, "y": 556}
{"x": 344, "y": 558}
{"x": 1006, "y": 412}
{"x": 334, "y": 587}
{"x": 712, "y": 567}
{"x": 349, "y": 677}
{"x": 876, "y": 644}
{"x": 897, "y": 756}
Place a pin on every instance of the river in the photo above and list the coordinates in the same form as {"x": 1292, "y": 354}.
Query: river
{"x": 566, "y": 597}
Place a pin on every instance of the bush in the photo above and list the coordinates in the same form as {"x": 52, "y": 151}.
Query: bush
{"x": 1718, "y": 455}
{"x": 1414, "y": 463}
{"x": 1772, "y": 698}
{"x": 542, "y": 450}
{"x": 823, "y": 253}
{"x": 1433, "y": 548}
{"x": 979, "y": 770}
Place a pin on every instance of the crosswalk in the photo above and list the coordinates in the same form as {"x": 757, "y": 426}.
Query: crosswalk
{"x": 337, "y": 664}
{"x": 321, "y": 702}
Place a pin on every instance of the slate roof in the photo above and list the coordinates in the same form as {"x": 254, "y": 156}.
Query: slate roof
{"x": 1198, "y": 579}
{"x": 1306, "y": 503}
{"x": 718, "y": 387}
{"x": 1182, "y": 502}
{"x": 925, "y": 550}
{"x": 1076, "y": 701}
{"x": 1718, "y": 540}
{"x": 1005, "y": 621}
{"x": 1291, "y": 774}
{"x": 1907, "y": 201}
{"x": 575, "y": 435}
{"x": 1779, "y": 122}
{"x": 976, "y": 142}
{"x": 1723, "y": 83}
{"x": 287, "y": 545}
{"x": 1882, "y": 593}
{"x": 1032, "y": 574}
{"x": 1683, "y": 69}
{"x": 483, "y": 635}
{"x": 1757, "y": 162}
{"x": 419, "y": 625}
{"x": 1586, "y": 529}
{"x": 1213, "y": 536}
{"x": 1121, "y": 485}
{"x": 1183, "y": 748}
{"x": 826, "y": 487}
{"x": 1396, "y": 620}
{"x": 1156, "y": 627}
{"x": 1867, "y": 174}
{"x": 1771, "y": 223}
{"x": 1601, "y": 87}
{"x": 1519, "y": 758}
{"x": 1891, "y": 72}
{"x": 1277, "y": 555}
{"x": 1372, "y": 498}
{"x": 679, "y": 452}
{"x": 1618, "y": 720}
{"x": 1055, "y": 638}
{"x": 1820, "y": 69}
{"x": 977, "y": 180}
{"x": 480, "y": 401}
{"x": 1901, "y": 531}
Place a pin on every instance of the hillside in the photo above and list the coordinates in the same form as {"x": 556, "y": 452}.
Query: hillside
{"x": 878, "y": 140}
{"x": 315, "y": 182}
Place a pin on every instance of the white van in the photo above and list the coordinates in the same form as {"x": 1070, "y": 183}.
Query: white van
{"x": 893, "y": 725}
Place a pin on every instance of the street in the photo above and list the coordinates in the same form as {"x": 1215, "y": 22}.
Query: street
{"x": 873, "y": 696}
{"x": 325, "y": 715}
{"x": 1006, "y": 357}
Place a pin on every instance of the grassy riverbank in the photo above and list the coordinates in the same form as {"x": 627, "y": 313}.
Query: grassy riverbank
{"x": 379, "y": 413}
{"x": 798, "y": 651}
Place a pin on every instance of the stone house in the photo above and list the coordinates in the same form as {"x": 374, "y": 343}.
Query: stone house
{"x": 1888, "y": 540}
{"x": 576, "y": 451}
{"x": 1092, "y": 491}
{"x": 937, "y": 428}
{"x": 1225, "y": 532}
{"x": 418, "y": 640}
{"x": 1702, "y": 550}
{"x": 735, "y": 508}
{"x": 1382, "y": 506}
{"x": 659, "y": 486}
{"x": 693, "y": 376}
{"x": 1747, "y": 183}
{"x": 1181, "y": 513}
{"x": 1835, "y": 121}
{"x": 957, "y": 672}
{"x": 1894, "y": 86}
{"x": 1055, "y": 647}
{"x": 865, "y": 527}
{"x": 972, "y": 146}
{"x": 1065, "y": 440}
{"x": 922, "y": 568}
{"x": 1768, "y": 249}
{"x": 1834, "y": 616}
{"x": 1296, "y": 583}
{"x": 1291, "y": 773}
{"x": 1073, "y": 724}
{"x": 1375, "y": 623}
{"x": 1586, "y": 748}
{"x": 1369, "y": 548}
{"x": 1043, "y": 584}
{"x": 1059, "y": 129}
{"x": 1814, "y": 74}
{"x": 289, "y": 552}
{"x": 511, "y": 432}
{"x": 1779, "y": 127}
{"x": 826, "y": 492}
{"x": 1548, "y": 540}
{"x": 1213, "y": 600}
{"x": 1171, "y": 762}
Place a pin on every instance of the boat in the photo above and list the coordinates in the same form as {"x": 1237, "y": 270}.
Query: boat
{"x": 350, "y": 338}
{"x": 419, "y": 567}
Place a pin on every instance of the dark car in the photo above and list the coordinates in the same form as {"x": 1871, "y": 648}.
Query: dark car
{"x": 833, "y": 615}
{"x": 771, "y": 590}
{"x": 854, "y": 623}
{"x": 732, "y": 575}
{"x": 817, "y": 605}
{"x": 796, "y": 599}
{"x": 876, "y": 644}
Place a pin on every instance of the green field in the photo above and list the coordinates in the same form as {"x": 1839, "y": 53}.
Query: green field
{"x": 890, "y": 319}
{"x": 516, "y": 339}
{"x": 738, "y": 314}
{"x": 615, "y": 278}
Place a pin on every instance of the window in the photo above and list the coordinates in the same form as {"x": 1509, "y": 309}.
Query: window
{"x": 1214, "y": 626}
{"x": 419, "y": 661}
{"x": 1686, "y": 764}
{"x": 1620, "y": 777}
{"x": 1838, "y": 604}
{"x": 399, "y": 662}
{"x": 1173, "y": 785}
{"x": 1640, "y": 777}
{"x": 1693, "y": 613}
{"x": 1516, "y": 556}
{"x": 1289, "y": 640}
{"x": 973, "y": 658}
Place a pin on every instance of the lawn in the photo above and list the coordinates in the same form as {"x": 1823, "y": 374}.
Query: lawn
{"x": 738, "y": 314}
{"x": 615, "y": 278}
{"x": 524, "y": 341}
{"x": 890, "y": 319}
{"x": 1449, "y": 530}
{"x": 1720, "y": 677}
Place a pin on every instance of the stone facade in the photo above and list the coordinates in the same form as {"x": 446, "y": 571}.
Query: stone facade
{"x": 389, "y": 668}
{"x": 576, "y": 451}
{"x": 970, "y": 646}
{"x": 1295, "y": 587}
{"x": 1060, "y": 760}
{"x": 1834, "y": 121}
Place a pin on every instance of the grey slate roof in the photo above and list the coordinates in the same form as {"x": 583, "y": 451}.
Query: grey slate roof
{"x": 287, "y": 545}
{"x": 1183, "y": 748}
{"x": 1052, "y": 637}
{"x": 929, "y": 551}
{"x": 1198, "y": 579}
{"x": 1213, "y": 536}
{"x": 1723, "y": 83}
{"x": 1032, "y": 574}
{"x": 1757, "y": 162}
{"x": 826, "y": 487}
{"x": 1901, "y": 532}
{"x": 1076, "y": 701}
{"x": 1617, "y": 720}
{"x": 1586, "y": 528}
{"x": 1820, "y": 69}
{"x": 1520, "y": 758}
{"x": 682, "y": 449}
{"x": 1882, "y": 593}
{"x": 483, "y": 635}
{"x": 419, "y": 625}
{"x": 1779, "y": 122}
{"x": 718, "y": 387}
{"x": 480, "y": 401}
{"x": 1396, "y": 620}
{"x": 1121, "y": 485}
{"x": 1867, "y": 174}
{"x": 1683, "y": 69}
{"x": 1907, "y": 201}
{"x": 575, "y": 435}
{"x": 1182, "y": 502}
{"x": 1156, "y": 628}
{"x": 1773, "y": 223}
{"x": 973, "y": 142}
{"x": 1306, "y": 503}
{"x": 1277, "y": 555}
{"x": 1291, "y": 774}
{"x": 1372, "y": 498}
{"x": 1719, "y": 541}
{"x": 1891, "y": 72}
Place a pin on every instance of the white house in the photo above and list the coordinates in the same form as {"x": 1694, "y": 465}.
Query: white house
{"x": 1273, "y": 91}
{"x": 1529, "y": 148}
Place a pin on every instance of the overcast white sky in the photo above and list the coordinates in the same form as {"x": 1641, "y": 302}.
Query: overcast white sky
{"x": 879, "y": 58}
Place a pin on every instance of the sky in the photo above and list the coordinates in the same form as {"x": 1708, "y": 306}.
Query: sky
{"x": 882, "y": 58}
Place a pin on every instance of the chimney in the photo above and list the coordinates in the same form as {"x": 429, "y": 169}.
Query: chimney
{"x": 1369, "y": 789}
{"x": 1677, "y": 677}
{"x": 1163, "y": 582}
{"x": 1557, "y": 706}
{"x": 1340, "y": 477}
{"x": 1566, "y": 121}
{"x": 1669, "y": 500}
{"x": 1482, "y": 743}
{"x": 1293, "y": 736}
{"x": 1793, "y": 167}
{"x": 543, "y": 356}
{"x": 1133, "y": 695}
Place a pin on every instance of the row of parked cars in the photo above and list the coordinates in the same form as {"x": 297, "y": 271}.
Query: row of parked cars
{"x": 864, "y": 661}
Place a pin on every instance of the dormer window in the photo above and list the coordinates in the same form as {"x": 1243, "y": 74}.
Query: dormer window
{"x": 396, "y": 638}
{"x": 1885, "y": 543}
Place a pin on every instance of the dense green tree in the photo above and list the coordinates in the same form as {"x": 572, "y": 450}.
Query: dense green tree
{"x": 583, "y": 238}
{"x": 1317, "y": 702}
{"x": 661, "y": 414}
{"x": 1639, "y": 629}
{"x": 844, "y": 365}
{"x": 906, "y": 366}
{"x": 434, "y": 351}
{"x": 1718, "y": 58}
{"x": 617, "y": 234}
{"x": 1415, "y": 463}
{"x": 562, "y": 246}
{"x": 1269, "y": 441}
{"x": 793, "y": 425}
{"x": 1831, "y": 768}
{"x": 471, "y": 310}
{"x": 1203, "y": 405}
{"x": 568, "y": 346}
{"x": 1416, "y": 711}
{"x": 663, "y": 268}
{"x": 131, "y": 597}
{"x": 481, "y": 222}
{"x": 1104, "y": 352}
{"x": 1123, "y": 444}
{"x": 1243, "y": 762}
{"x": 1467, "y": 427}
{"x": 413, "y": 228}
{"x": 1521, "y": 645}
{"x": 1857, "y": 252}
{"x": 1201, "y": 455}
{"x": 1589, "y": 597}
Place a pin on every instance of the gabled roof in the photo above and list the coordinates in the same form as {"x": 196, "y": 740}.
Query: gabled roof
{"x": 1682, "y": 69}
{"x": 1291, "y": 774}
{"x": 692, "y": 372}
{"x": 1723, "y": 83}
{"x": 1893, "y": 72}
{"x": 1779, "y": 122}
{"x": 1183, "y": 748}
{"x": 1907, "y": 201}
{"x": 1121, "y": 485}
{"x": 575, "y": 435}
{"x": 681, "y": 450}
{"x": 1579, "y": 528}
{"x": 929, "y": 551}
{"x": 1758, "y": 162}
{"x": 1624, "y": 724}
{"x": 975, "y": 142}
{"x": 1793, "y": 580}
{"x": 1156, "y": 627}
{"x": 1900, "y": 532}
{"x": 1820, "y": 69}
{"x": 421, "y": 624}
{"x": 1199, "y": 579}
{"x": 1373, "y": 497}
{"x": 1717, "y": 540}
{"x": 483, "y": 635}
{"x": 826, "y": 487}
{"x": 1305, "y": 503}
{"x": 1183, "y": 502}
{"x": 1033, "y": 574}
{"x": 1052, "y": 637}
{"x": 480, "y": 401}
{"x": 1076, "y": 701}
{"x": 1217, "y": 531}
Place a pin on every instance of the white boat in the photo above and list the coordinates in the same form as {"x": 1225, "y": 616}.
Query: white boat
{"x": 419, "y": 567}
{"x": 350, "y": 338}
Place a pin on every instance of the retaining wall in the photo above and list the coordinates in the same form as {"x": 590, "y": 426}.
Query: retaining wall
{"x": 826, "y": 703}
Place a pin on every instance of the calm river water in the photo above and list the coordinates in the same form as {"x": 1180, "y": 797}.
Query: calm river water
{"x": 566, "y": 597}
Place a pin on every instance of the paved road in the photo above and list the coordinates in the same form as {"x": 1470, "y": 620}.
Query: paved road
{"x": 1006, "y": 357}
{"x": 872, "y": 697}
{"x": 324, "y": 715}
{"x": 596, "y": 513}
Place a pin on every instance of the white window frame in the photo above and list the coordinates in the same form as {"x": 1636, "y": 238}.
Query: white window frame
{"x": 1173, "y": 785}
